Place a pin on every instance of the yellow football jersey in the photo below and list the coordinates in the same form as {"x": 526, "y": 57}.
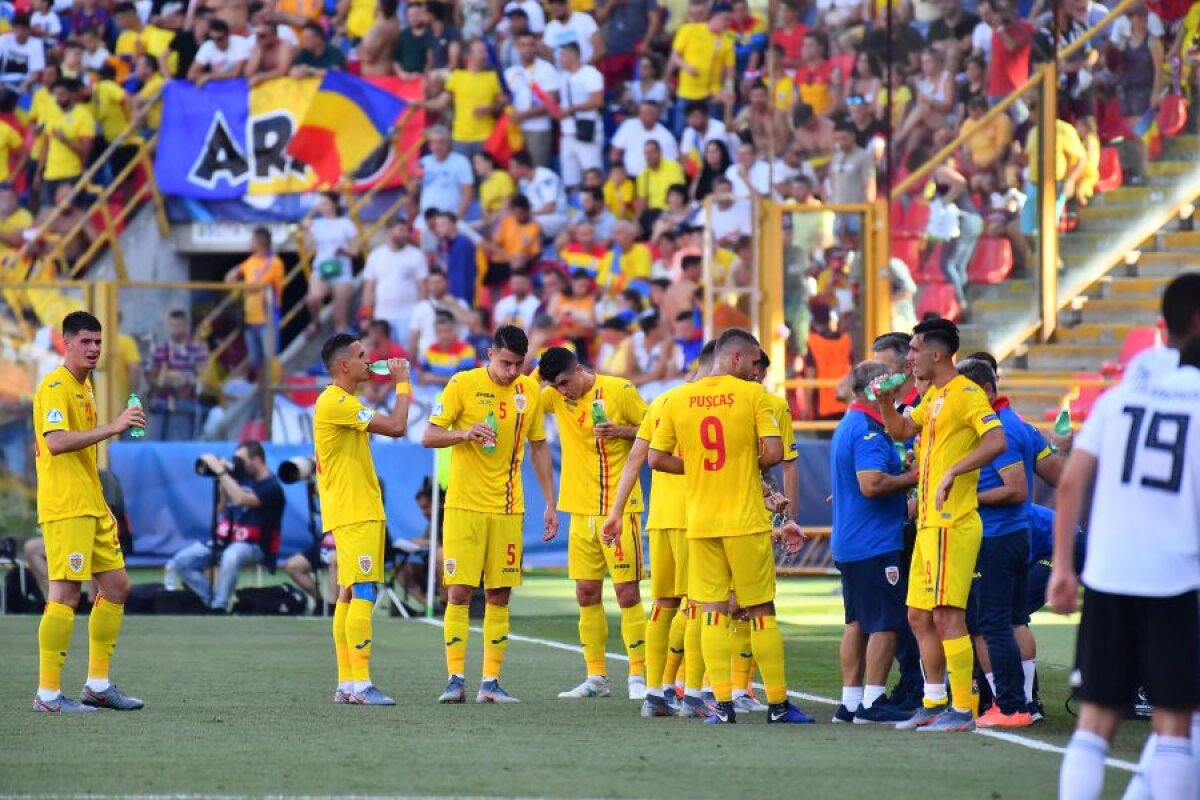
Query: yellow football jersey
{"x": 346, "y": 480}
{"x": 68, "y": 484}
{"x": 668, "y": 492}
{"x": 717, "y": 423}
{"x": 594, "y": 466}
{"x": 952, "y": 420}
{"x": 783, "y": 419}
{"x": 481, "y": 481}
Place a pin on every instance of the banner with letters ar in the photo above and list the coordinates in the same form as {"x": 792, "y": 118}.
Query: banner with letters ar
{"x": 228, "y": 140}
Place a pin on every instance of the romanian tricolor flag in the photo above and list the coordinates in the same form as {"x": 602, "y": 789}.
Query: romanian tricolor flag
{"x": 348, "y": 120}
{"x": 506, "y": 139}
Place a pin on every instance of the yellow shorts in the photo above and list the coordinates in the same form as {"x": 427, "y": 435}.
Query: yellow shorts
{"x": 360, "y": 552}
{"x": 747, "y": 562}
{"x": 480, "y": 544}
{"x": 80, "y": 547}
{"x": 668, "y": 562}
{"x": 589, "y": 558}
{"x": 943, "y": 563}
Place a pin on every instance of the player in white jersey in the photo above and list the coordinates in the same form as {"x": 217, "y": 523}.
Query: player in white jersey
{"x": 1141, "y": 615}
{"x": 1181, "y": 313}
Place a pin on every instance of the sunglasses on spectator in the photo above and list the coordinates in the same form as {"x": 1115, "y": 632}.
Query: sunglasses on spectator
{"x": 856, "y": 100}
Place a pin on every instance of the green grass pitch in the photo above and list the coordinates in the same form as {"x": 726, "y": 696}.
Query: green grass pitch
{"x": 242, "y": 706}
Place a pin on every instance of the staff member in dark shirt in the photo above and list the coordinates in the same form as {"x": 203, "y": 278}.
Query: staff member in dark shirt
{"x": 869, "y": 486}
{"x": 249, "y": 529}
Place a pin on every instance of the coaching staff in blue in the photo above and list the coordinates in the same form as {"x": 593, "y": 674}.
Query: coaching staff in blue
{"x": 869, "y": 509}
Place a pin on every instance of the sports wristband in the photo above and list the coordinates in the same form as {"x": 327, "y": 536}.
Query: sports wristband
{"x": 403, "y": 389}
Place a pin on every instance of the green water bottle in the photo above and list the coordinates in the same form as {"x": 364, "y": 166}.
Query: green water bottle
{"x": 135, "y": 402}
{"x": 1062, "y": 423}
{"x": 598, "y": 417}
{"x": 888, "y": 383}
{"x": 379, "y": 367}
{"x": 901, "y": 451}
{"x": 491, "y": 422}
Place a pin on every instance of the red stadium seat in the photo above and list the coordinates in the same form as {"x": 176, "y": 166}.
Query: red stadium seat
{"x": 992, "y": 262}
{"x": 1111, "y": 125}
{"x": 938, "y": 298}
{"x": 1111, "y": 176}
{"x": 907, "y": 249}
{"x": 930, "y": 268}
{"x": 1136, "y": 341}
{"x": 303, "y": 397}
{"x": 845, "y": 63}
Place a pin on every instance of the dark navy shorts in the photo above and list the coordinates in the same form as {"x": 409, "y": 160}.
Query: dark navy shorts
{"x": 873, "y": 592}
{"x": 1039, "y": 578}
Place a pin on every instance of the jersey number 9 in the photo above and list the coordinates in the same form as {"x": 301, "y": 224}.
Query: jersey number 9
{"x": 712, "y": 437}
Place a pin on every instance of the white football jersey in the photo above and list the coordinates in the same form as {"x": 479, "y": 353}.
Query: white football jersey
{"x": 1144, "y": 531}
{"x": 1150, "y": 363}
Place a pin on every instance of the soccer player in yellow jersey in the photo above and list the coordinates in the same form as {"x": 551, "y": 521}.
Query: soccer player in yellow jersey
{"x": 598, "y": 418}
{"x": 726, "y": 435}
{"x": 959, "y": 434}
{"x": 80, "y": 532}
{"x": 352, "y": 504}
{"x": 667, "y": 630}
{"x": 486, "y": 416}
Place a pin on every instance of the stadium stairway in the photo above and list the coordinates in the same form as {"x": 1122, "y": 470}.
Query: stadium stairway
{"x": 1110, "y": 282}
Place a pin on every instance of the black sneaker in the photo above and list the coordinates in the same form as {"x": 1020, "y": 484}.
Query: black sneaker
{"x": 723, "y": 713}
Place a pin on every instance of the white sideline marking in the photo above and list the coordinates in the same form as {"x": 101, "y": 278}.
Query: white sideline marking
{"x": 1011, "y": 738}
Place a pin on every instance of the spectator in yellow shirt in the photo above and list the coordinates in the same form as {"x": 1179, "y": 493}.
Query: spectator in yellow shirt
{"x": 11, "y": 142}
{"x": 628, "y": 260}
{"x": 1070, "y": 160}
{"x": 619, "y": 192}
{"x": 988, "y": 141}
{"x": 262, "y": 269}
{"x": 477, "y": 100}
{"x": 653, "y": 182}
{"x": 496, "y": 187}
{"x": 69, "y": 139}
{"x": 703, "y": 55}
{"x": 148, "y": 101}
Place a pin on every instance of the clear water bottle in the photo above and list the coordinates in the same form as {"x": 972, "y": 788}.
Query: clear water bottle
{"x": 170, "y": 579}
{"x": 135, "y": 402}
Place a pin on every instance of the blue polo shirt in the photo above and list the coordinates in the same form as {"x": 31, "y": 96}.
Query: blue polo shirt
{"x": 1025, "y": 446}
{"x": 1041, "y": 533}
{"x": 864, "y": 527}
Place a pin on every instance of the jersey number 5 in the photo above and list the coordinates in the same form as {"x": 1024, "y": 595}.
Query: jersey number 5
{"x": 712, "y": 438}
{"x": 1176, "y": 425}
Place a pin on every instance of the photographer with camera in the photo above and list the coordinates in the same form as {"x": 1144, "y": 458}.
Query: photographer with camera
{"x": 250, "y": 510}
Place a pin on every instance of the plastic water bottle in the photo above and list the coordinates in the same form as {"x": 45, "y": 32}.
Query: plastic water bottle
{"x": 379, "y": 367}
{"x": 170, "y": 579}
{"x": 1062, "y": 423}
{"x": 135, "y": 402}
{"x": 886, "y": 384}
{"x": 491, "y": 422}
{"x": 598, "y": 417}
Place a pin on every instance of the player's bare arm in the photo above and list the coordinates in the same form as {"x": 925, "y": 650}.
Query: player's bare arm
{"x": 396, "y": 423}
{"x": 539, "y": 455}
{"x": 991, "y": 445}
{"x": 59, "y": 442}
{"x": 611, "y": 530}
{"x": 436, "y": 436}
{"x": 665, "y": 462}
{"x": 1050, "y": 468}
{"x": 1014, "y": 488}
{"x": 770, "y": 451}
{"x": 1062, "y": 592}
{"x": 610, "y": 430}
{"x": 879, "y": 484}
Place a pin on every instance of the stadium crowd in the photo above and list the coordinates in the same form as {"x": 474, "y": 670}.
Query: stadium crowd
{"x": 626, "y": 115}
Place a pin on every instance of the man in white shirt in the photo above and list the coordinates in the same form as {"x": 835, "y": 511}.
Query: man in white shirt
{"x": 701, "y": 129}
{"x": 95, "y": 54}
{"x": 581, "y": 96}
{"x": 788, "y": 167}
{"x": 222, "y": 56}
{"x": 567, "y": 26}
{"x": 533, "y": 12}
{"x": 22, "y": 55}
{"x": 394, "y": 279}
{"x": 629, "y": 142}
{"x": 749, "y": 176}
{"x": 447, "y": 179}
{"x": 519, "y": 306}
{"x": 530, "y": 112}
{"x": 728, "y": 219}
{"x": 422, "y": 326}
{"x": 544, "y": 189}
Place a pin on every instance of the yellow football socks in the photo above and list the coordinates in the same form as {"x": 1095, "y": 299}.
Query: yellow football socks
{"x": 340, "y": 645}
{"x": 593, "y": 635}
{"x": 54, "y": 637}
{"x": 358, "y": 637}
{"x": 495, "y": 640}
{"x": 742, "y": 657}
{"x": 457, "y": 628}
{"x": 693, "y": 652}
{"x": 103, "y": 629}
{"x": 959, "y": 662}
{"x": 633, "y": 631}
{"x": 658, "y": 634}
{"x": 767, "y": 644}
{"x": 674, "y": 655}
{"x": 714, "y": 639}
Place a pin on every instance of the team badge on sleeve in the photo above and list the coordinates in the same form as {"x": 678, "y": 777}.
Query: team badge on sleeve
{"x": 365, "y": 563}
{"x": 892, "y": 574}
{"x": 75, "y": 562}
{"x": 365, "y": 414}
{"x": 438, "y": 409}
{"x": 54, "y": 416}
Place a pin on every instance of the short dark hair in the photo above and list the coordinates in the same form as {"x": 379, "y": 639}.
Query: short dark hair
{"x": 707, "y": 353}
{"x": 221, "y": 26}
{"x": 333, "y": 347}
{"x": 556, "y": 361}
{"x": 151, "y": 62}
{"x": 695, "y": 105}
{"x": 310, "y": 26}
{"x": 987, "y": 358}
{"x": 436, "y": 271}
{"x": 78, "y": 321}
{"x": 262, "y": 234}
{"x": 512, "y": 339}
{"x": 1189, "y": 353}
{"x": 1181, "y": 304}
{"x": 685, "y": 315}
{"x": 380, "y": 325}
{"x": 899, "y": 342}
{"x": 687, "y": 262}
{"x": 978, "y": 371}
{"x": 735, "y": 337}
{"x": 863, "y": 373}
{"x": 443, "y": 318}
{"x": 177, "y": 313}
{"x": 764, "y": 361}
{"x": 254, "y": 449}
{"x": 940, "y": 331}
{"x": 520, "y": 201}
{"x": 572, "y": 46}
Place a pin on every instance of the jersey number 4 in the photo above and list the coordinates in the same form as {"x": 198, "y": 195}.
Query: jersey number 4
{"x": 712, "y": 438}
{"x": 1166, "y": 433}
